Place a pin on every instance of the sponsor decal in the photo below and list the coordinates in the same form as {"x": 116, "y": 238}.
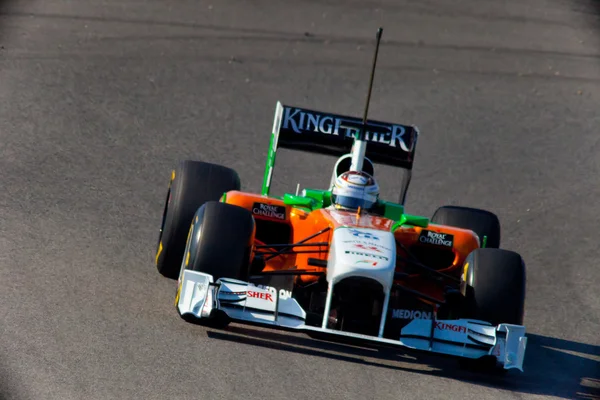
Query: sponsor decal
{"x": 343, "y": 219}
{"x": 436, "y": 239}
{"x": 304, "y": 121}
{"x": 365, "y": 247}
{"x": 237, "y": 296}
{"x": 269, "y": 211}
{"x": 498, "y": 348}
{"x": 359, "y": 189}
{"x": 373, "y": 263}
{"x": 356, "y": 178}
{"x": 359, "y": 253}
{"x": 363, "y": 242}
{"x": 410, "y": 314}
{"x": 260, "y": 295}
{"x": 366, "y": 235}
{"x": 367, "y": 221}
{"x": 449, "y": 327}
{"x": 232, "y": 293}
{"x": 381, "y": 223}
{"x": 283, "y": 294}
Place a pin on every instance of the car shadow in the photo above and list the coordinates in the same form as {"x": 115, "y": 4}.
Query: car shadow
{"x": 551, "y": 366}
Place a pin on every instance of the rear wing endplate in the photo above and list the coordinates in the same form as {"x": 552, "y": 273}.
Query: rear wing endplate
{"x": 313, "y": 131}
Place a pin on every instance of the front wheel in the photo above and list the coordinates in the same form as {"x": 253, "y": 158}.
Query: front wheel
{"x": 493, "y": 285}
{"x": 220, "y": 243}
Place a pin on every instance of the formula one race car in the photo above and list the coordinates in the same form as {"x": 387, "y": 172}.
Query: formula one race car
{"x": 340, "y": 262}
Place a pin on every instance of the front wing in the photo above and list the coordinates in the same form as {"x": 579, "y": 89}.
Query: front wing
{"x": 241, "y": 301}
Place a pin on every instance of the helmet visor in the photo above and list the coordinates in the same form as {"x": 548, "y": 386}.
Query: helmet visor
{"x": 364, "y": 202}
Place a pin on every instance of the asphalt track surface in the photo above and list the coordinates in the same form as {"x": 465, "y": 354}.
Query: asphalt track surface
{"x": 100, "y": 99}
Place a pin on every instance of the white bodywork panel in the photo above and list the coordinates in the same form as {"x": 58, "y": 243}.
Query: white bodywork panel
{"x": 363, "y": 252}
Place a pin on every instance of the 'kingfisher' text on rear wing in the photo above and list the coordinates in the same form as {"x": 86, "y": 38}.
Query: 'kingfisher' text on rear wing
{"x": 313, "y": 131}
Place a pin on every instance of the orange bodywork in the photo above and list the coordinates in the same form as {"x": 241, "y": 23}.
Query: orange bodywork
{"x": 300, "y": 224}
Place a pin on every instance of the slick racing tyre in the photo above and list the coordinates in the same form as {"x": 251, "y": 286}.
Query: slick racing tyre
{"x": 192, "y": 184}
{"x": 493, "y": 285}
{"x": 482, "y": 222}
{"x": 220, "y": 241}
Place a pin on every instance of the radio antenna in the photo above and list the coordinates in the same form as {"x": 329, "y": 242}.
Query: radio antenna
{"x": 379, "y": 33}
{"x": 360, "y": 145}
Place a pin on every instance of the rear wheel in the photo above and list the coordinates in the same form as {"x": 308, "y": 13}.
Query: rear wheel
{"x": 482, "y": 222}
{"x": 192, "y": 184}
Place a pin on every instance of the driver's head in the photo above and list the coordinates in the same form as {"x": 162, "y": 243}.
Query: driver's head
{"x": 354, "y": 189}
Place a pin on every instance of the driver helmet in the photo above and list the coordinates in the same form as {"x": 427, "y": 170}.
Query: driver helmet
{"x": 354, "y": 189}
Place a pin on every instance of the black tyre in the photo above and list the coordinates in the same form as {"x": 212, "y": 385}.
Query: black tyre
{"x": 494, "y": 288}
{"x": 220, "y": 241}
{"x": 482, "y": 222}
{"x": 192, "y": 184}
{"x": 494, "y": 291}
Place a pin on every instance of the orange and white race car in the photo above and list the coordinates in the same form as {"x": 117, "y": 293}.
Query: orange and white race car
{"x": 340, "y": 262}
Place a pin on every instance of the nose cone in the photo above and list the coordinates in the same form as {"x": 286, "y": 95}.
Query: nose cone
{"x": 362, "y": 252}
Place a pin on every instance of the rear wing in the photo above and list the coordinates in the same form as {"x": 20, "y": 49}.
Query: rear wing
{"x": 325, "y": 133}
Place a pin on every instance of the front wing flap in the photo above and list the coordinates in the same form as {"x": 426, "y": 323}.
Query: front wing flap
{"x": 241, "y": 301}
